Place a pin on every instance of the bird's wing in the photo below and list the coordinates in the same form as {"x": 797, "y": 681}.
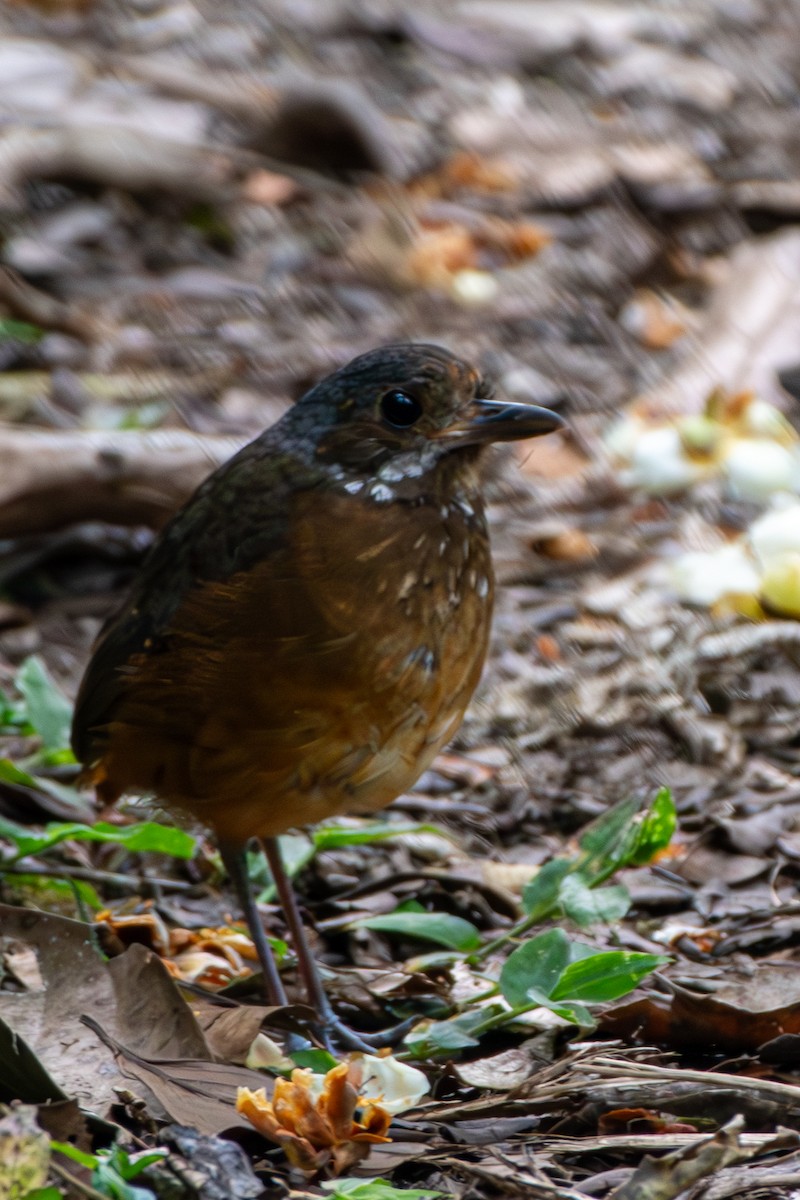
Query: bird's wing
{"x": 237, "y": 518}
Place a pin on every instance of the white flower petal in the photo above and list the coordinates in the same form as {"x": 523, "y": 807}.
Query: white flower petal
{"x": 704, "y": 578}
{"x": 264, "y": 1053}
{"x": 776, "y": 533}
{"x": 394, "y": 1085}
{"x": 659, "y": 463}
{"x": 757, "y": 468}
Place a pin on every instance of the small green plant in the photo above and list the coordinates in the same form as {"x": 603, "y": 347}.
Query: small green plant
{"x": 38, "y": 709}
{"x": 142, "y": 837}
{"x": 549, "y": 970}
{"x": 20, "y": 331}
{"x": 627, "y": 835}
{"x": 112, "y": 1170}
{"x": 374, "y": 1189}
{"x": 43, "y": 710}
{"x": 411, "y": 920}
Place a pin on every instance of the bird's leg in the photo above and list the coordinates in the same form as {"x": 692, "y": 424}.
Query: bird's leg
{"x": 334, "y": 1030}
{"x": 234, "y": 857}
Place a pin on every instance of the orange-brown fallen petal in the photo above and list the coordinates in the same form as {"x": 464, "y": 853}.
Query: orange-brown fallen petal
{"x": 258, "y": 1110}
{"x": 339, "y": 1099}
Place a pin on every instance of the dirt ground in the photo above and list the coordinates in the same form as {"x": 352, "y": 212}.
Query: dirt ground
{"x": 203, "y": 210}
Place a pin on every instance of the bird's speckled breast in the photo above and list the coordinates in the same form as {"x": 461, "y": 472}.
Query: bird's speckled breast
{"x": 323, "y": 680}
{"x": 413, "y": 590}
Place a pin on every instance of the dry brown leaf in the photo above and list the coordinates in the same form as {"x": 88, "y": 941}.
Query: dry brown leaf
{"x": 269, "y": 189}
{"x": 737, "y": 1019}
{"x": 748, "y": 332}
{"x": 656, "y": 321}
{"x": 437, "y": 254}
{"x": 76, "y": 981}
{"x": 151, "y": 1015}
{"x": 470, "y": 170}
{"x": 571, "y": 545}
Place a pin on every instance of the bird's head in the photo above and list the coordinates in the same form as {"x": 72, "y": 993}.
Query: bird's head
{"x": 399, "y": 410}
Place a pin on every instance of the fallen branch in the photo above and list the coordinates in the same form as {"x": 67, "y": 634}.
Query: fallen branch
{"x": 53, "y": 478}
{"x": 114, "y": 156}
{"x": 748, "y": 332}
{"x": 31, "y": 304}
{"x": 21, "y": 391}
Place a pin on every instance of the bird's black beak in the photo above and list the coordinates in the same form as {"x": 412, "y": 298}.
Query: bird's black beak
{"x": 500, "y": 421}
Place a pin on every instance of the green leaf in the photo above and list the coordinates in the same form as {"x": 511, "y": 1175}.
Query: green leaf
{"x": 606, "y": 975}
{"x": 146, "y": 836}
{"x": 541, "y": 896}
{"x": 52, "y": 891}
{"x": 434, "y": 958}
{"x": 72, "y": 1152}
{"x": 331, "y": 837}
{"x": 578, "y": 1014}
{"x": 106, "y": 1179}
{"x": 590, "y": 906}
{"x": 655, "y": 831}
{"x": 20, "y": 331}
{"x": 13, "y": 715}
{"x": 128, "y": 1163}
{"x": 606, "y": 843}
{"x": 443, "y": 928}
{"x": 454, "y": 1034}
{"x": 297, "y": 850}
{"x": 446, "y": 1036}
{"x": 319, "y": 1061}
{"x": 374, "y": 1189}
{"x": 11, "y": 773}
{"x": 45, "y": 1193}
{"x": 626, "y": 836}
{"x": 536, "y": 964}
{"x": 49, "y": 710}
{"x": 146, "y": 416}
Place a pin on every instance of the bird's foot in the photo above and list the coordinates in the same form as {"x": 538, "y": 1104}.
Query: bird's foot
{"x": 336, "y": 1036}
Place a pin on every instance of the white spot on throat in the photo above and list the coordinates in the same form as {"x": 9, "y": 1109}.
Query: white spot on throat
{"x": 410, "y": 465}
{"x": 483, "y": 587}
{"x": 381, "y": 493}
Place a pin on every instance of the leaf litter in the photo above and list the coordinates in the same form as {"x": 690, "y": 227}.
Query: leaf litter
{"x": 589, "y": 202}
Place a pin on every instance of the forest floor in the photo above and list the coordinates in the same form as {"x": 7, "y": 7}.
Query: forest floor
{"x": 203, "y": 210}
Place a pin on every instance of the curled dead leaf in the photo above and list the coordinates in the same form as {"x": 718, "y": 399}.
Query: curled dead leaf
{"x": 209, "y": 957}
{"x": 469, "y": 170}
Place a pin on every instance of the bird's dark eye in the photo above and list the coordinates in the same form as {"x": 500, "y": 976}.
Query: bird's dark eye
{"x": 400, "y": 409}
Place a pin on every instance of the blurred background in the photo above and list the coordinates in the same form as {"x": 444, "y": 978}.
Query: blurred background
{"x": 204, "y": 208}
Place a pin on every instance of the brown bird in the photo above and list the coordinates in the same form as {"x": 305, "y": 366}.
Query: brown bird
{"x": 305, "y": 634}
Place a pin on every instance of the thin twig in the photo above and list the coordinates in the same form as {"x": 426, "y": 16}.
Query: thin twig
{"x": 608, "y": 1068}
{"x": 73, "y": 1182}
{"x": 134, "y": 883}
